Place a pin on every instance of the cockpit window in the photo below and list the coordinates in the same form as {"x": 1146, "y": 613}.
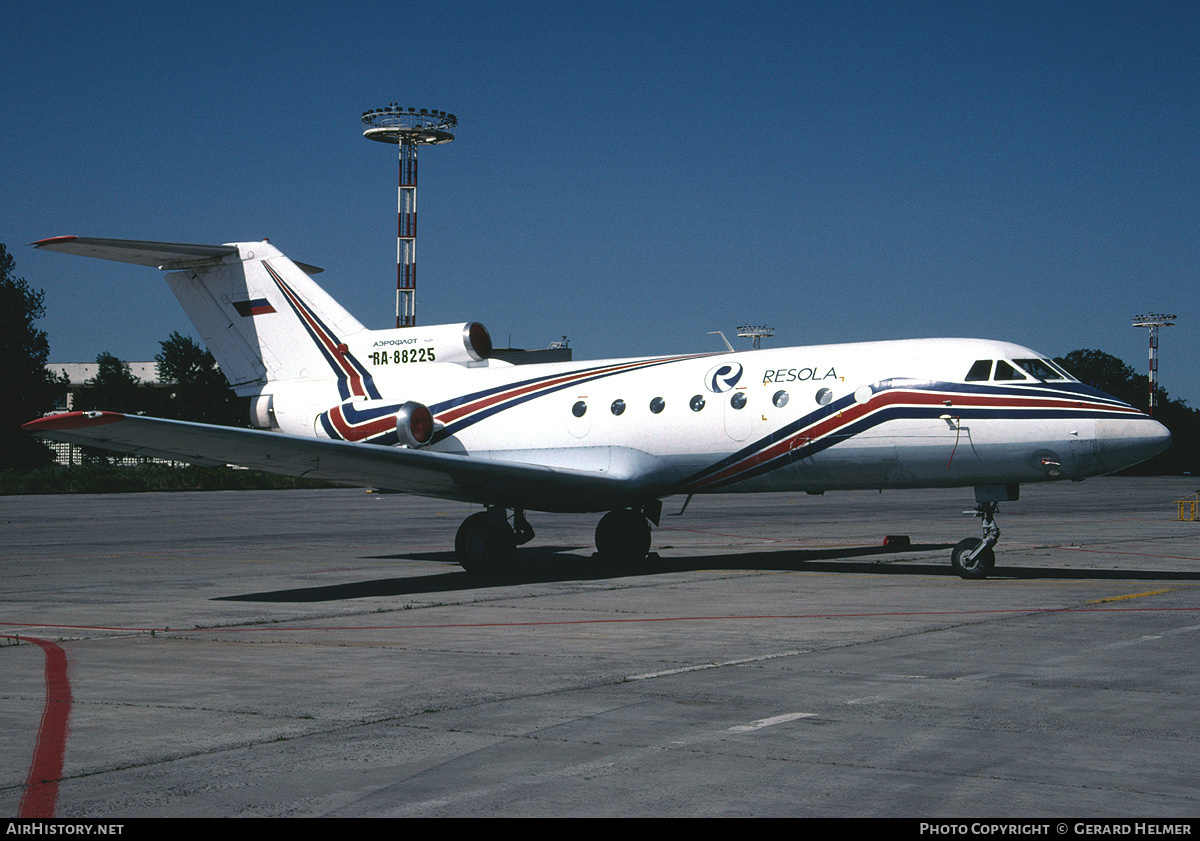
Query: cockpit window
{"x": 981, "y": 371}
{"x": 1067, "y": 375}
{"x": 1043, "y": 369}
{"x": 1005, "y": 371}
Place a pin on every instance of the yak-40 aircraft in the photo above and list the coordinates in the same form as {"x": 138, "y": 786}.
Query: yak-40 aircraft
{"x": 424, "y": 410}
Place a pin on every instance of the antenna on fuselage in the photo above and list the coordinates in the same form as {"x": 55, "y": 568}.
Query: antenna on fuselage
{"x": 722, "y": 335}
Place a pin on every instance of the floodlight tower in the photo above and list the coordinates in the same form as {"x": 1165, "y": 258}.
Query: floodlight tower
{"x": 756, "y": 333}
{"x": 408, "y": 129}
{"x": 1153, "y": 320}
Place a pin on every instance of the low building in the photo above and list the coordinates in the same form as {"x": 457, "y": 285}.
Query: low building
{"x": 77, "y": 375}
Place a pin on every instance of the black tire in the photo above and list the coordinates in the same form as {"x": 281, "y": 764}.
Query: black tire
{"x": 977, "y": 568}
{"x": 483, "y": 547}
{"x": 622, "y": 537}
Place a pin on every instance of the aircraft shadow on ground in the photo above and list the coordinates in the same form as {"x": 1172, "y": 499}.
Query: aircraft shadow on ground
{"x": 548, "y": 564}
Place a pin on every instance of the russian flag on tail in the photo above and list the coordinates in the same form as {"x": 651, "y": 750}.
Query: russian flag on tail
{"x": 255, "y": 306}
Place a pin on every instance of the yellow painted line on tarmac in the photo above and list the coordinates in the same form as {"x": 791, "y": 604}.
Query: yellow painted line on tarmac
{"x": 1133, "y": 596}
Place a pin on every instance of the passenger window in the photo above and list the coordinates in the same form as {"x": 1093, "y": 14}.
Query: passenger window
{"x": 981, "y": 371}
{"x": 1004, "y": 371}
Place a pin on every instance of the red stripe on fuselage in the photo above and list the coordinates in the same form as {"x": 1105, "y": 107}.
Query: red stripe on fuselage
{"x": 888, "y": 399}
{"x": 357, "y": 432}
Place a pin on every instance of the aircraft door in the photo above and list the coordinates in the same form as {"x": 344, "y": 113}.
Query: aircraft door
{"x": 739, "y": 414}
{"x": 579, "y": 422}
{"x": 725, "y": 382}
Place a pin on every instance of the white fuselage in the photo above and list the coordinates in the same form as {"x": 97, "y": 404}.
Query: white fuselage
{"x": 871, "y": 415}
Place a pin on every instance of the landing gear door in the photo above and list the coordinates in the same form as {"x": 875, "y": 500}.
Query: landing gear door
{"x": 1085, "y": 457}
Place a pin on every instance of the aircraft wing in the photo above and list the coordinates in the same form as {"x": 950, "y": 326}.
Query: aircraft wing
{"x": 612, "y": 482}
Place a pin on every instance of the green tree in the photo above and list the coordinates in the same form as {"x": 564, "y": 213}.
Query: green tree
{"x": 198, "y": 391}
{"x": 28, "y": 390}
{"x": 114, "y": 389}
{"x": 1107, "y": 373}
{"x": 1183, "y": 456}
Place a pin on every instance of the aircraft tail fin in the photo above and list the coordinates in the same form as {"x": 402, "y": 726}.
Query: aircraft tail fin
{"x": 259, "y": 313}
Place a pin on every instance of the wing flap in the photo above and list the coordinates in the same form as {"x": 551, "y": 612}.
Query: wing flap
{"x": 489, "y": 481}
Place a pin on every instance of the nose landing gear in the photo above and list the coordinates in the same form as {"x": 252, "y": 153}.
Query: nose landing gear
{"x": 974, "y": 557}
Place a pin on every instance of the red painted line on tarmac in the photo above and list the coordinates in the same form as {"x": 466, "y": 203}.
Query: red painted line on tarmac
{"x": 22, "y": 624}
{"x": 252, "y": 629}
{"x": 1028, "y": 610}
{"x": 41, "y": 784}
{"x": 716, "y": 618}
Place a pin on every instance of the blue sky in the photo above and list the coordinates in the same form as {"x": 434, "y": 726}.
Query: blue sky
{"x": 631, "y": 175}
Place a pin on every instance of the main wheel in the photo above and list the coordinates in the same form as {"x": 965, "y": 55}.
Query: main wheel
{"x": 979, "y": 566}
{"x": 482, "y": 546}
{"x": 623, "y": 536}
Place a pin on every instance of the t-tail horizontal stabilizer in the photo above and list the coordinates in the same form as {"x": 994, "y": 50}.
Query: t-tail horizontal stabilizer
{"x": 264, "y": 319}
{"x": 168, "y": 256}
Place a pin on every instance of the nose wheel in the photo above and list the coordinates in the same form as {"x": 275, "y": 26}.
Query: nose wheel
{"x": 974, "y": 557}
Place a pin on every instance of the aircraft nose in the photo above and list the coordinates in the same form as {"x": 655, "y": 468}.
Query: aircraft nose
{"x": 1129, "y": 441}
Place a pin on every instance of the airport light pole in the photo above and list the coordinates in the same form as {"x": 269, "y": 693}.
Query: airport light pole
{"x": 756, "y": 333}
{"x": 1153, "y": 321}
{"x": 408, "y": 128}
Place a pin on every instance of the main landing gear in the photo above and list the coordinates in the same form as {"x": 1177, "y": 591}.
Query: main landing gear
{"x": 974, "y": 557}
{"x": 623, "y": 536}
{"x": 486, "y": 542}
